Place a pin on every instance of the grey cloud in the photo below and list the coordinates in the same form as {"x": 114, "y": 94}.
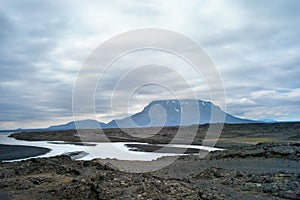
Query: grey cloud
{"x": 255, "y": 45}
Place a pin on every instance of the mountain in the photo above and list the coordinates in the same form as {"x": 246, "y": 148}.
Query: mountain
{"x": 83, "y": 124}
{"x": 160, "y": 113}
{"x": 175, "y": 113}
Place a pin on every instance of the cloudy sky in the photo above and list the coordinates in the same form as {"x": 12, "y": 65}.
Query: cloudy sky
{"x": 255, "y": 46}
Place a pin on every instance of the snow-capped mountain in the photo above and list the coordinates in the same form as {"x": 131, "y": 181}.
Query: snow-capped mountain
{"x": 175, "y": 113}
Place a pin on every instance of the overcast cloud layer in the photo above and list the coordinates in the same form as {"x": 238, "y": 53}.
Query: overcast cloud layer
{"x": 255, "y": 46}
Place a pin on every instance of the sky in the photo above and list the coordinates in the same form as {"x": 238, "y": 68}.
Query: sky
{"x": 255, "y": 46}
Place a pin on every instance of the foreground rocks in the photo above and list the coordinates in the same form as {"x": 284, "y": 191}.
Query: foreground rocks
{"x": 263, "y": 171}
{"x": 62, "y": 178}
{"x": 284, "y": 185}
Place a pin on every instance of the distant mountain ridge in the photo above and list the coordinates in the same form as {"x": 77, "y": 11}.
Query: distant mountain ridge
{"x": 83, "y": 124}
{"x": 161, "y": 113}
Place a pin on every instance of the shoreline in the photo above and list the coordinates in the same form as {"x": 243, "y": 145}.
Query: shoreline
{"x": 15, "y": 152}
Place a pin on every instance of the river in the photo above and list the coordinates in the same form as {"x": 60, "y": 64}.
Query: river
{"x": 117, "y": 150}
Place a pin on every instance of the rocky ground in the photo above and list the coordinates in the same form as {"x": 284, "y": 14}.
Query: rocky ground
{"x": 262, "y": 171}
